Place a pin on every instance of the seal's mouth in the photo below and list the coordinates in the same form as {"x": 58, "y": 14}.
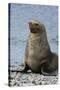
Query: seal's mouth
{"x": 34, "y": 30}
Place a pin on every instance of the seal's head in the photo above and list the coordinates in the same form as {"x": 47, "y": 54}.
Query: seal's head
{"x": 35, "y": 26}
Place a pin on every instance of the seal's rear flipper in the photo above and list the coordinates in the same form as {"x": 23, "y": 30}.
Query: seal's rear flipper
{"x": 54, "y": 73}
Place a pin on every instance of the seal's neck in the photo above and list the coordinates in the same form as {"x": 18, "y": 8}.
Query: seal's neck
{"x": 34, "y": 36}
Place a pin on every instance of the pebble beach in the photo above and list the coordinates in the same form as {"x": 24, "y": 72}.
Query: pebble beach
{"x": 31, "y": 79}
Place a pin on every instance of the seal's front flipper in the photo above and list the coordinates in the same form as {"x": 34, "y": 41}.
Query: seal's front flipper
{"x": 25, "y": 69}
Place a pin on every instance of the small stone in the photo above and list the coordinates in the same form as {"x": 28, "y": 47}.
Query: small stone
{"x": 40, "y": 83}
{"x": 34, "y": 82}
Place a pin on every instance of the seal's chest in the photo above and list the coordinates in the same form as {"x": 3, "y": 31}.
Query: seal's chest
{"x": 34, "y": 47}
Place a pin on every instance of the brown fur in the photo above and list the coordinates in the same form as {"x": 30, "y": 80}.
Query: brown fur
{"x": 38, "y": 56}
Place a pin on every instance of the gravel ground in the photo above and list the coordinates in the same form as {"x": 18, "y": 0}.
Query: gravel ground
{"x": 31, "y": 79}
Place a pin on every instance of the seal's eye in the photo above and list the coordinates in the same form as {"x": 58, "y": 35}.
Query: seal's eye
{"x": 36, "y": 24}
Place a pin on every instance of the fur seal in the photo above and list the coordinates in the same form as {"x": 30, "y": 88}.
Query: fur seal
{"x": 38, "y": 55}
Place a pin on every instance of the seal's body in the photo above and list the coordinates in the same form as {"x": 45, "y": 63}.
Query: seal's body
{"x": 38, "y": 56}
